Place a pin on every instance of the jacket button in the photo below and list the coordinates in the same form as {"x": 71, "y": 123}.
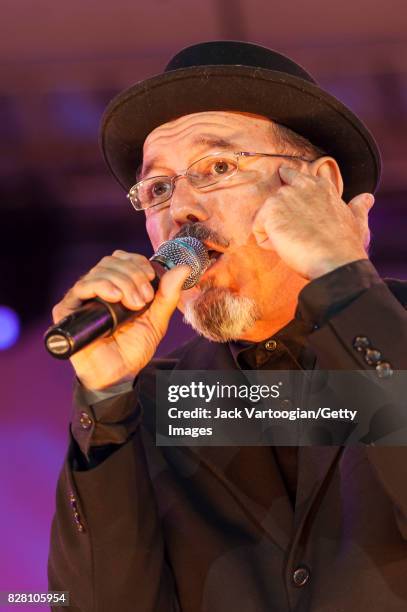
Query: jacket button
{"x": 360, "y": 343}
{"x": 301, "y": 576}
{"x": 270, "y": 345}
{"x": 372, "y": 356}
{"x": 384, "y": 369}
{"x": 85, "y": 421}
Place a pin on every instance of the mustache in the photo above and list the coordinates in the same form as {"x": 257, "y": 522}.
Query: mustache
{"x": 202, "y": 232}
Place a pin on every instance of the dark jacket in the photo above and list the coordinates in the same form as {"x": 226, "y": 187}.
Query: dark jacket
{"x": 212, "y": 529}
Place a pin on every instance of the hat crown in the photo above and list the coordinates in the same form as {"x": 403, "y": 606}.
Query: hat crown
{"x": 235, "y": 53}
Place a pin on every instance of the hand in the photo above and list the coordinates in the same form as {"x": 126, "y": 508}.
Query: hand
{"x": 310, "y": 227}
{"x": 123, "y": 277}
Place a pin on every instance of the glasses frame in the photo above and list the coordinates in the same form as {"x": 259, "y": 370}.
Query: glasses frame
{"x": 237, "y": 154}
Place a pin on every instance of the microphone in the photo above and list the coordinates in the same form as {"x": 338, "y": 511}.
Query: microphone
{"x": 97, "y": 318}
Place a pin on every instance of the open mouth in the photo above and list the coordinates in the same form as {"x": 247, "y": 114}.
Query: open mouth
{"x": 215, "y": 251}
{"x": 213, "y": 255}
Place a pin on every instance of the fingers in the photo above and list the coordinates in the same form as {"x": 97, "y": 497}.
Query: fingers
{"x": 131, "y": 274}
{"x": 73, "y": 298}
{"x": 291, "y": 176}
{"x": 361, "y": 204}
{"x": 259, "y": 227}
{"x": 360, "y": 207}
{"x": 122, "y": 276}
{"x": 132, "y": 260}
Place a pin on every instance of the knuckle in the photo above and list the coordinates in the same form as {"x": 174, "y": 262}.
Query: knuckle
{"x": 139, "y": 269}
{"x": 104, "y": 283}
{"x": 140, "y": 260}
{"x": 120, "y": 280}
{"x": 107, "y": 259}
{"x": 142, "y": 269}
{"x": 127, "y": 286}
{"x": 134, "y": 277}
{"x": 80, "y": 283}
{"x": 90, "y": 282}
{"x": 120, "y": 254}
{"x": 130, "y": 258}
{"x": 92, "y": 272}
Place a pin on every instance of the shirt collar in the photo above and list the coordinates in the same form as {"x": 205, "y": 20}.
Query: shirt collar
{"x": 289, "y": 339}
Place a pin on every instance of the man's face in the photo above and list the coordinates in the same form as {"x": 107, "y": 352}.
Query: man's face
{"x": 244, "y": 270}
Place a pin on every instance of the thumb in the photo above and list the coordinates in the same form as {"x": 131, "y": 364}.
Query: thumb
{"x": 360, "y": 206}
{"x": 168, "y": 292}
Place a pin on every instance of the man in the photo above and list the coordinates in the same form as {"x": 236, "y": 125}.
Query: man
{"x": 255, "y": 528}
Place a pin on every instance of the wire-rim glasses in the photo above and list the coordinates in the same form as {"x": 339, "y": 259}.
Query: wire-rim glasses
{"x": 204, "y": 172}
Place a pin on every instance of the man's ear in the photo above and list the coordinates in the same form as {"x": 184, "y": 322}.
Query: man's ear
{"x": 326, "y": 167}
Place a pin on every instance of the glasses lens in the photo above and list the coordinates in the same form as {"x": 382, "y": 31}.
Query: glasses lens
{"x": 150, "y": 192}
{"x": 210, "y": 170}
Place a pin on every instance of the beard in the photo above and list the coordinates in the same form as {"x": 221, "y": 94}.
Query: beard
{"x": 217, "y": 313}
{"x": 220, "y": 315}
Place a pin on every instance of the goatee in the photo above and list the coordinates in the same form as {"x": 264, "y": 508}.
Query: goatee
{"x": 220, "y": 315}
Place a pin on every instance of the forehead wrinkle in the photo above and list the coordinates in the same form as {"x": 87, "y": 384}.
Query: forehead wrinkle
{"x": 163, "y": 131}
{"x": 198, "y": 119}
{"x": 209, "y": 119}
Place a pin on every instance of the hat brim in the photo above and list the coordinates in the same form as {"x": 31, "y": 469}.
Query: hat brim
{"x": 293, "y": 102}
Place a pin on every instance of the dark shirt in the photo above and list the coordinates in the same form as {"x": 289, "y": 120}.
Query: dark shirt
{"x": 285, "y": 350}
{"x": 319, "y": 301}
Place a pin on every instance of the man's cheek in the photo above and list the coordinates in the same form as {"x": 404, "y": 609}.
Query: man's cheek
{"x": 155, "y": 231}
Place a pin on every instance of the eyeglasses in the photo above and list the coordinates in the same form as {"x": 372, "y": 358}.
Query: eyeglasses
{"x": 204, "y": 172}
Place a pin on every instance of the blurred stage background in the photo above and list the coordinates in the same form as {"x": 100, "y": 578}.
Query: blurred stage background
{"x": 60, "y": 211}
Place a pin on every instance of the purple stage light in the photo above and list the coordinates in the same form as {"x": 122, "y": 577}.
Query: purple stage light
{"x": 9, "y": 327}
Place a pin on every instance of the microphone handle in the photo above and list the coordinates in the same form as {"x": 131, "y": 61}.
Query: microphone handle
{"x": 96, "y": 318}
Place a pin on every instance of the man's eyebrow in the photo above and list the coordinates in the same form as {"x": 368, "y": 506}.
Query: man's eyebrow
{"x": 209, "y": 141}
{"x": 212, "y": 141}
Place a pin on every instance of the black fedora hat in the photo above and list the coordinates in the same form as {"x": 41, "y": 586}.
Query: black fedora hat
{"x": 238, "y": 76}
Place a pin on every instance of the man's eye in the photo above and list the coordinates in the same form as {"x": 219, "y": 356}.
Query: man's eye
{"x": 221, "y": 167}
{"x": 159, "y": 189}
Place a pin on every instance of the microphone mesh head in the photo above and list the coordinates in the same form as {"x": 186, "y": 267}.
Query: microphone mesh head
{"x": 189, "y": 251}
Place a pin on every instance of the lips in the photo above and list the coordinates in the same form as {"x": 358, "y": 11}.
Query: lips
{"x": 215, "y": 252}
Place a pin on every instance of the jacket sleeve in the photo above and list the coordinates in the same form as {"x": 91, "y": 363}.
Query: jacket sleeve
{"x": 107, "y": 546}
{"x": 364, "y": 328}
{"x": 353, "y": 303}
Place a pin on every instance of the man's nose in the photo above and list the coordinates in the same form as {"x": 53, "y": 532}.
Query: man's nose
{"x": 186, "y": 204}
